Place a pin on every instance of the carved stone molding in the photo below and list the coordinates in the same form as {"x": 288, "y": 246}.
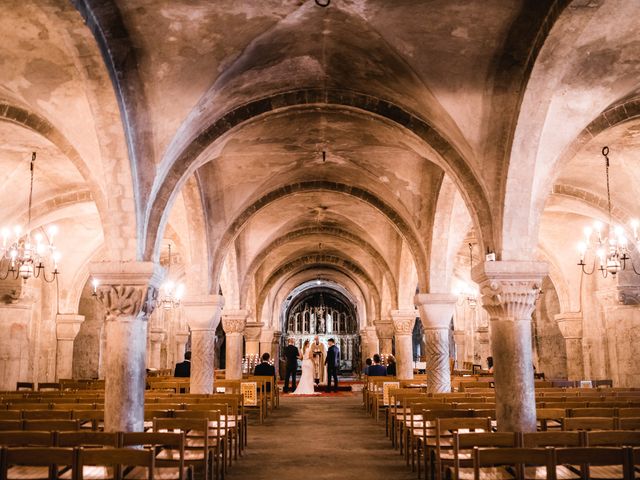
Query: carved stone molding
{"x": 127, "y": 289}
{"x": 384, "y": 329}
{"x": 509, "y": 289}
{"x": 68, "y": 326}
{"x": 203, "y": 312}
{"x": 234, "y": 321}
{"x": 436, "y": 309}
{"x": 403, "y": 321}
{"x": 252, "y": 331}
{"x": 570, "y": 324}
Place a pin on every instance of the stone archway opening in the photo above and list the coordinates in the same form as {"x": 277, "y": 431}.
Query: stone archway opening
{"x": 323, "y": 309}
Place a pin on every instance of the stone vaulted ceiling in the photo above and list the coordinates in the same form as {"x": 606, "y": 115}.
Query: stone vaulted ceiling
{"x": 274, "y": 141}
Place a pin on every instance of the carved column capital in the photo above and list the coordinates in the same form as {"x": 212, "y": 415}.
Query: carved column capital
{"x": 127, "y": 289}
{"x": 234, "y": 321}
{"x": 384, "y": 329}
{"x": 570, "y": 324}
{"x": 403, "y": 321}
{"x": 68, "y": 326}
{"x": 436, "y": 309}
{"x": 203, "y": 311}
{"x": 509, "y": 289}
{"x": 252, "y": 331}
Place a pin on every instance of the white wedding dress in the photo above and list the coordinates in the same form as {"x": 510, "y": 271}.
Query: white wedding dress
{"x": 306, "y": 384}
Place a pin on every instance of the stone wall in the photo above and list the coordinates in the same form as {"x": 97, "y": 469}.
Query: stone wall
{"x": 550, "y": 355}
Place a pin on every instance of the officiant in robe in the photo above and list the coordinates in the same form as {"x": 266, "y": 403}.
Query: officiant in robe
{"x": 318, "y": 355}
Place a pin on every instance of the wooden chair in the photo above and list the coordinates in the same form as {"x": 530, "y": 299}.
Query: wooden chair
{"x": 38, "y": 462}
{"x": 463, "y": 444}
{"x": 87, "y": 438}
{"x": 629, "y": 423}
{"x": 10, "y": 415}
{"x": 592, "y": 412}
{"x": 51, "y": 425}
{"x": 20, "y": 438}
{"x": 48, "y": 386}
{"x": 94, "y": 419}
{"x": 552, "y": 439}
{"x": 168, "y": 449}
{"x": 229, "y": 418}
{"x": 595, "y": 462}
{"x": 110, "y": 463}
{"x": 46, "y": 414}
{"x": 614, "y": 438}
{"x": 589, "y": 423}
{"x": 517, "y": 458}
{"x": 445, "y": 429}
{"x": 9, "y": 425}
{"x": 217, "y": 434}
{"x": 197, "y": 450}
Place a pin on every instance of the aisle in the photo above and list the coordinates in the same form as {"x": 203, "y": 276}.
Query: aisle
{"x": 320, "y": 438}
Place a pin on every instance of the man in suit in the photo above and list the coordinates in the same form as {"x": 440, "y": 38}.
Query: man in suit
{"x": 291, "y": 354}
{"x": 265, "y": 369}
{"x": 183, "y": 369}
{"x": 333, "y": 364}
{"x": 377, "y": 370}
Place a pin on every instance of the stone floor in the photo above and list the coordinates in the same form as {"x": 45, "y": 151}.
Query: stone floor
{"x": 317, "y": 438}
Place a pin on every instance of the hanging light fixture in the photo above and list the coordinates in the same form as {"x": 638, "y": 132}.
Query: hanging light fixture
{"x": 26, "y": 254}
{"x": 170, "y": 292}
{"x": 606, "y": 245}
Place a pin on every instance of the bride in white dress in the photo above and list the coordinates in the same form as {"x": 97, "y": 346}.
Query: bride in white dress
{"x": 306, "y": 385}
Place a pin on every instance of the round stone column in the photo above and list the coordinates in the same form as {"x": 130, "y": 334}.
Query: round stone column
{"x": 460, "y": 339}
{"x": 127, "y": 291}
{"x": 403, "y": 323}
{"x": 156, "y": 337}
{"x": 233, "y": 323}
{"x": 266, "y": 342}
{"x": 67, "y": 328}
{"x": 385, "y": 337}
{"x": 203, "y": 316}
{"x": 570, "y": 325}
{"x": 370, "y": 343}
{"x": 252, "y": 333}
{"x": 436, "y": 311}
{"x": 509, "y": 292}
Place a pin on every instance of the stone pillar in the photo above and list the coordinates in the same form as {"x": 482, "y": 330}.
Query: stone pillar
{"x": 570, "y": 325}
{"x": 203, "y": 316}
{"x": 128, "y": 292}
{"x": 275, "y": 351}
{"x": 67, "y": 328}
{"x": 181, "y": 338}
{"x": 509, "y": 291}
{"x": 370, "y": 344}
{"x": 403, "y": 322}
{"x": 385, "y": 337}
{"x": 252, "y": 333}
{"x": 233, "y": 323}
{"x": 460, "y": 339}
{"x": 156, "y": 337}
{"x": 436, "y": 311}
{"x": 266, "y": 343}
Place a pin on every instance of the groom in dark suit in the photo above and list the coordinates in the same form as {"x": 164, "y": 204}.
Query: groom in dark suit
{"x": 333, "y": 364}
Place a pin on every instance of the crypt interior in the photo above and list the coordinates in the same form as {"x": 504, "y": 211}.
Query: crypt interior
{"x": 419, "y": 178}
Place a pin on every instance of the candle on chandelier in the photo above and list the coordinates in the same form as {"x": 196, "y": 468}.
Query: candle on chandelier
{"x": 582, "y": 248}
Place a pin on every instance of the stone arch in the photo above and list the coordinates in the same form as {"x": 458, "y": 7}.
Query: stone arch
{"x": 40, "y": 125}
{"x": 316, "y": 260}
{"x": 400, "y": 224}
{"x": 174, "y": 171}
{"x": 120, "y": 58}
{"x": 331, "y": 231}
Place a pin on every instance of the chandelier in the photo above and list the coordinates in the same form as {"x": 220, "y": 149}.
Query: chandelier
{"x": 26, "y": 253}
{"x": 606, "y": 245}
{"x": 170, "y": 292}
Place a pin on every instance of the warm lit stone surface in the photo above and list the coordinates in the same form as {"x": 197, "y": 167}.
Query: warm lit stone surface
{"x": 323, "y": 438}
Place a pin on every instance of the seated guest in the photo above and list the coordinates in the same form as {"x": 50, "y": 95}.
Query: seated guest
{"x": 391, "y": 366}
{"x": 368, "y": 362}
{"x": 377, "y": 370}
{"x": 183, "y": 369}
{"x": 490, "y": 364}
{"x": 264, "y": 369}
